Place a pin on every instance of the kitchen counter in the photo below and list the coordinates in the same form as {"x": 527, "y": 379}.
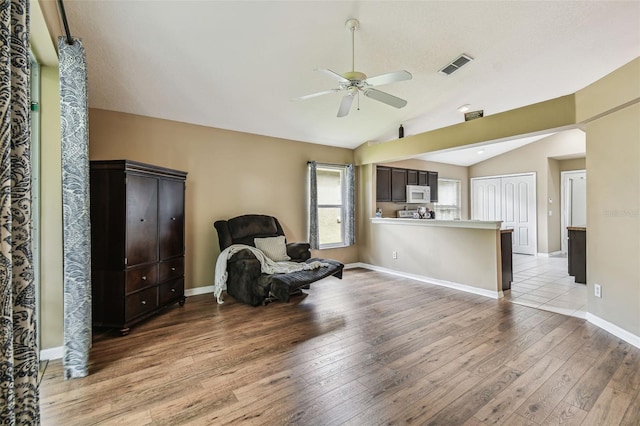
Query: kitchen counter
{"x": 475, "y": 224}
{"x": 469, "y": 255}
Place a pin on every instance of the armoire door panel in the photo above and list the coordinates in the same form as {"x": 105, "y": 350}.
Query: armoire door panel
{"x": 142, "y": 220}
{"x": 171, "y": 218}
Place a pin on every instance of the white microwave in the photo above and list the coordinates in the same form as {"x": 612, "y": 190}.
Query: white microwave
{"x": 418, "y": 194}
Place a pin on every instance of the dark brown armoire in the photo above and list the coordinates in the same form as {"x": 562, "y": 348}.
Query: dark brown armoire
{"x": 137, "y": 241}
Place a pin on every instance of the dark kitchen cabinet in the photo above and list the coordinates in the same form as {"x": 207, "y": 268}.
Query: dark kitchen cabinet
{"x": 391, "y": 183}
{"x": 398, "y": 185}
{"x": 412, "y": 177}
{"x": 383, "y": 183}
{"x": 577, "y": 254}
{"x": 433, "y": 184}
{"x": 423, "y": 178}
{"x": 137, "y": 241}
{"x": 506, "y": 255}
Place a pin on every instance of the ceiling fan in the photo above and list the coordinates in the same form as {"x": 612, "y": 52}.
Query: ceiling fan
{"x": 354, "y": 82}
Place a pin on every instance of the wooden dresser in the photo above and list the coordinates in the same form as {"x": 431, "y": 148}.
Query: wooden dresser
{"x": 137, "y": 241}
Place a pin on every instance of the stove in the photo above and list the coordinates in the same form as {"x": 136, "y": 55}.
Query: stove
{"x": 407, "y": 214}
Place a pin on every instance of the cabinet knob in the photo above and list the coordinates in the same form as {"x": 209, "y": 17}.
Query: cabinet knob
{"x": 173, "y": 269}
{"x": 142, "y": 220}
{"x": 144, "y": 278}
{"x": 173, "y": 218}
{"x": 144, "y": 302}
{"x": 173, "y": 290}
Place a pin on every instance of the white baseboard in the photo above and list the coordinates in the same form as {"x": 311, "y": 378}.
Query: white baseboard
{"x": 434, "y": 281}
{"x": 614, "y": 329}
{"x": 353, "y": 265}
{"x": 52, "y": 353}
{"x": 198, "y": 290}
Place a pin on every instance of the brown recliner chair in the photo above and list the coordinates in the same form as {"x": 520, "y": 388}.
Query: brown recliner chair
{"x": 245, "y": 280}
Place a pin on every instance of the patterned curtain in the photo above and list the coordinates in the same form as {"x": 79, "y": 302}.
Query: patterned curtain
{"x": 75, "y": 205}
{"x": 19, "y": 401}
{"x": 313, "y": 205}
{"x": 350, "y": 220}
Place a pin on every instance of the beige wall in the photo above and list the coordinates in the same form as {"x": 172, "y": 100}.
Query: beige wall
{"x": 449, "y": 171}
{"x": 51, "y": 290}
{"x": 613, "y": 217}
{"x": 535, "y": 157}
{"x": 230, "y": 174}
{"x": 572, "y": 164}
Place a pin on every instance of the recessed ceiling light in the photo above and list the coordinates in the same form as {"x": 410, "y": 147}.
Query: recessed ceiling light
{"x": 464, "y": 108}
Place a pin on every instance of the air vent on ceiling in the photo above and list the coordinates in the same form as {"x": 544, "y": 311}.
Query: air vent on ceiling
{"x": 454, "y": 65}
{"x": 472, "y": 115}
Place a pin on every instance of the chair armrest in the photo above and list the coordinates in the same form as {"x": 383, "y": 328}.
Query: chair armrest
{"x": 244, "y": 263}
{"x": 298, "y": 252}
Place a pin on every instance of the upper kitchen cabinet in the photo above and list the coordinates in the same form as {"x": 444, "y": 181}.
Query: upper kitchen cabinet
{"x": 412, "y": 177}
{"x": 433, "y": 184}
{"x": 423, "y": 178}
{"x": 398, "y": 185}
{"x": 391, "y": 183}
{"x": 383, "y": 183}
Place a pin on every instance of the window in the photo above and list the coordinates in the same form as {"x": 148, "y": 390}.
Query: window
{"x": 331, "y": 195}
{"x": 331, "y": 206}
{"x": 449, "y": 200}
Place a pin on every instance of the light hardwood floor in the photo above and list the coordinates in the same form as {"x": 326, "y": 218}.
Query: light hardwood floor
{"x": 366, "y": 350}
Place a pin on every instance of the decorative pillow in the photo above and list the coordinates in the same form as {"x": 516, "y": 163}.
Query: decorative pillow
{"x": 273, "y": 247}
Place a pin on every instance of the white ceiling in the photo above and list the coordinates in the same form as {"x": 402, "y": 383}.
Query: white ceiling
{"x": 236, "y": 64}
{"x": 479, "y": 152}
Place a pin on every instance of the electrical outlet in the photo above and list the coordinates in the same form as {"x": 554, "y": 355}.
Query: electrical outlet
{"x": 394, "y": 254}
{"x": 597, "y": 290}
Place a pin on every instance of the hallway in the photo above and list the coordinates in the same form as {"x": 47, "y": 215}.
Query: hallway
{"x": 544, "y": 283}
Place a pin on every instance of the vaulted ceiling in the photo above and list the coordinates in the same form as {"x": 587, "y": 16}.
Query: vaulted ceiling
{"x": 237, "y": 64}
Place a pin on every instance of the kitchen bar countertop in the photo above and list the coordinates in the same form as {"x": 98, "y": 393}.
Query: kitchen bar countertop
{"x": 475, "y": 224}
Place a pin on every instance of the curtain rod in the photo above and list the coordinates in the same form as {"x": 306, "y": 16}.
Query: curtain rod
{"x": 63, "y": 15}
{"x": 329, "y": 164}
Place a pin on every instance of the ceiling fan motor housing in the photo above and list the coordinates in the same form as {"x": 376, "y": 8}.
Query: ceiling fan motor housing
{"x": 355, "y": 76}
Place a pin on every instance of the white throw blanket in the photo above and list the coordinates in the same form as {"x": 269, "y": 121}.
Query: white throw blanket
{"x": 267, "y": 266}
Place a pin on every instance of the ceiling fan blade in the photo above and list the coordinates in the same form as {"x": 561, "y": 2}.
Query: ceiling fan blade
{"x": 345, "y": 105}
{"x": 385, "y": 98}
{"x": 391, "y": 77}
{"x": 313, "y": 95}
{"x": 333, "y": 75}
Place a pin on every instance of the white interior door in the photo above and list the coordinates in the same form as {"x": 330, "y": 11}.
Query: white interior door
{"x": 574, "y": 202}
{"x": 511, "y": 199}
{"x": 486, "y": 199}
{"x": 519, "y": 212}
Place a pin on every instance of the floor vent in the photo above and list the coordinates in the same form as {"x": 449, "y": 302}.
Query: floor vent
{"x": 454, "y": 65}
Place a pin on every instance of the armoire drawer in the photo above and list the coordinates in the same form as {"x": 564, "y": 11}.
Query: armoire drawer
{"x": 141, "y": 277}
{"x": 141, "y": 302}
{"x": 170, "y": 269}
{"x": 172, "y": 290}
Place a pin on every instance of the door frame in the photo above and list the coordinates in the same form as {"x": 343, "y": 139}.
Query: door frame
{"x": 535, "y": 200}
{"x": 564, "y": 210}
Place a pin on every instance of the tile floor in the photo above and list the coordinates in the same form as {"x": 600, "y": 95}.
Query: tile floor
{"x": 544, "y": 283}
